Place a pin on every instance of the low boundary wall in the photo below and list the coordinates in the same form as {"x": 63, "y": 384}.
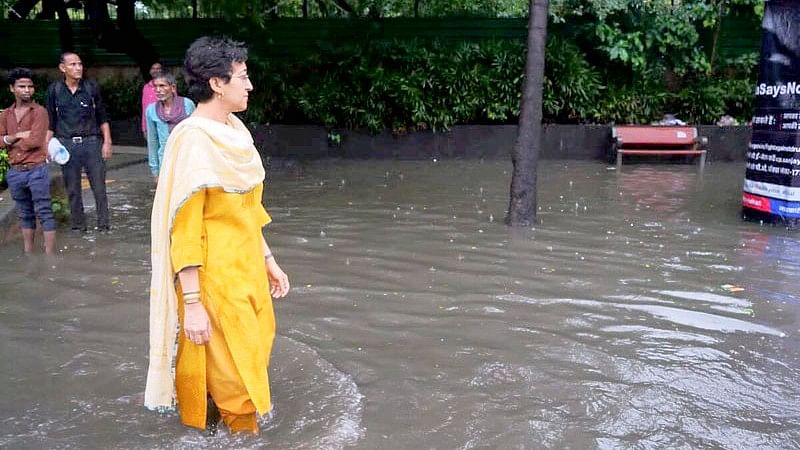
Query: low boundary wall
{"x": 461, "y": 141}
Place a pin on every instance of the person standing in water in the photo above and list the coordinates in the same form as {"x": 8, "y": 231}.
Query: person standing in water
{"x": 23, "y": 128}
{"x": 213, "y": 273}
{"x": 78, "y": 119}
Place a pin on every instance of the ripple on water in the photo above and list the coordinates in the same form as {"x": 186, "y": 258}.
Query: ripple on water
{"x": 708, "y": 297}
{"x": 612, "y": 344}
{"x": 312, "y": 398}
{"x": 655, "y": 334}
{"x": 676, "y": 315}
{"x": 675, "y": 382}
{"x": 328, "y": 400}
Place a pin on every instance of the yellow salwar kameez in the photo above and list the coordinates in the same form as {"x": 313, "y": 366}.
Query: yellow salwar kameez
{"x": 207, "y": 213}
{"x": 221, "y": 233}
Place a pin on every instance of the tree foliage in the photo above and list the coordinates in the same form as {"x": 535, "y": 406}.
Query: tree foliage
{"x": 607, "y": 60}
{"x": 116, "y": 34}
{"x": 644, "y": 35}
{"x": 261, "y": 10}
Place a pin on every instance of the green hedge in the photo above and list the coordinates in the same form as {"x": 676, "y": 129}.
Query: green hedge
{"x": 407, "y": 85}
{"x": 412, "y": 85}
{"x": 4, "y": 166}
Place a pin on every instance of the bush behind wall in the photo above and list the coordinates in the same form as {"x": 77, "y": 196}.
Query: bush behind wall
{"x": 411, "y": 85}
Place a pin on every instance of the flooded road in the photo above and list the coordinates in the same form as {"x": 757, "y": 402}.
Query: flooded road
{"x": 640, "y": 313}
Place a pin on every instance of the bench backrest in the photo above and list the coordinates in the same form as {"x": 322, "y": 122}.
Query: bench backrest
{"x": 654, "y": 135}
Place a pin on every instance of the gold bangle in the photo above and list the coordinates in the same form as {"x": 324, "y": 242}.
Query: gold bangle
{"x": 190, "y": 293}
{"x": 191, "y": 301}
{"x": 193, "y": 297}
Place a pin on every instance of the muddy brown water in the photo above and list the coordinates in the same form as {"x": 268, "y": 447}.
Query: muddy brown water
{"x": 640, "y": 313}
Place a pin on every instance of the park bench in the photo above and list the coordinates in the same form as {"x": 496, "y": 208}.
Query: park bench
{"x": 657, "y": 140}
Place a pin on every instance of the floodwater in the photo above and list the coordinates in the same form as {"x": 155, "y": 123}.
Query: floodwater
{"x": 640, "y": 313}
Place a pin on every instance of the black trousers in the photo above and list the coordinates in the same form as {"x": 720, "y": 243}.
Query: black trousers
{"x": 85, "y": 156}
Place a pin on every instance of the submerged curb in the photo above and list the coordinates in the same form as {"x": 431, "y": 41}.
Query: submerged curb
{"x": 8, "y": 216}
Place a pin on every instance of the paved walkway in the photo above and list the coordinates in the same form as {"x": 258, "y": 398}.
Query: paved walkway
{"x": 123, "y": 156}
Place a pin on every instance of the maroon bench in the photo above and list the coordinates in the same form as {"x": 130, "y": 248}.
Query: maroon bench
{"x": 655, "y": 140}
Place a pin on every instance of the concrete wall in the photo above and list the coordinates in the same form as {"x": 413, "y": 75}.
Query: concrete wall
{"x": 462, "y": 141}
{"x": 726, "y": 143}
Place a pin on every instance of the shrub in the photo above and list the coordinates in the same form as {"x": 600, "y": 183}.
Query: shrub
{"x": 4, "y": 166}
{"x": 410, "y": 85}
{"x": 416, "y": 85}
{"x": 571, "y": 85}
{"x": 642, "y": 101}
{"x": 705, "y": 101}
{"x": 122, "y": 97}
{"x": 60, "y": 205}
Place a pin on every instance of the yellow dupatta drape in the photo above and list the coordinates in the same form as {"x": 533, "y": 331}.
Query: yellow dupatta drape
{"x": 200, "y": 153}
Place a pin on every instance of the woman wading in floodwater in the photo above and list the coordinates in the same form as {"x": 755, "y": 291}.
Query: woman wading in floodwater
{"x": 213, "y": 272}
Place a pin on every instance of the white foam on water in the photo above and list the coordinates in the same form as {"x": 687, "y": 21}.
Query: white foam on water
{"x": 680, "y": 267}
{"x": 725, "y": 268}
{"x": 494, "y": 373}
{"x": 708, "y": 297}
{"x": 705, "y": 321}
{"x": 346, "y": 429}
{"x": 525, "y": 330}
{"x": 655, "y": 333}
{"x": 695, "y": 319}
{"x": 338, "y": 411}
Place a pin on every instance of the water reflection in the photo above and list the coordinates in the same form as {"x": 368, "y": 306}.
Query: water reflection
{"x": 419, "y": 320}
{"x": 664, "y": 189}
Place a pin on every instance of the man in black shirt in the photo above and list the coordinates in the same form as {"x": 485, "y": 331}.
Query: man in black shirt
{"x": 79, "y": 121}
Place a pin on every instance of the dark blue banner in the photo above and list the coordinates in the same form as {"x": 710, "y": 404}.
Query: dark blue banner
{"x": 772, "y": 178}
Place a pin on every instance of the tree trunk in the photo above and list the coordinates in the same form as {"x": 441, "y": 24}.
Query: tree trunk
{"x": 20, "y": 9}
{"x": 416, "y": 8}
{"x": 133, "y": 41}
{"x": 122, "y": 36}
{"x": 270, "y": 6}
{"x": 344, "y": 6}
{"x": 48, "y": 10}
{"x": 51, "y": 8}
{"x": 64, "y": 27}
{"x": 194, "y": 9}
{"x": 525, "y": 156}
{"x": 715, "y": 40}
{"x": 323, "y": 8}
{"x": 97, "y": 14}
{"x": 305, "y": 9}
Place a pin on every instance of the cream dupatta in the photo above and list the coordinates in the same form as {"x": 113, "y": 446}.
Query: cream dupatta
{"x": 200, "y": 153}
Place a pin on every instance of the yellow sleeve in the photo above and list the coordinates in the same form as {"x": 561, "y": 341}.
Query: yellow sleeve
{"x": 186, "y": 239}
{"x": 264, "y": 218}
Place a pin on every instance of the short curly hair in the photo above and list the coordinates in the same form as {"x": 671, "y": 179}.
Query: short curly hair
{"x": 18, "y": 73}
{"x": 210, "y": 57}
